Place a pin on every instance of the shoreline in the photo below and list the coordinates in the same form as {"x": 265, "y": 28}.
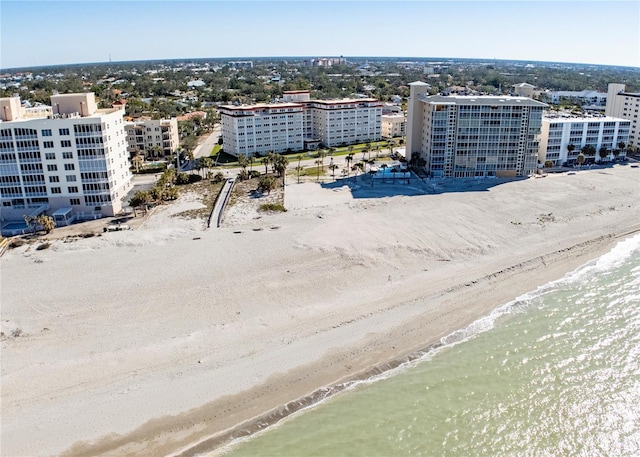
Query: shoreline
{"x": 169, "y": 340}
{"x": 546, "y": 268}
{"x": 219, "y": 443}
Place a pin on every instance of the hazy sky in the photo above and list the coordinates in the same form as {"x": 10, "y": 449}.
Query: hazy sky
{"x": 34, "y": 33}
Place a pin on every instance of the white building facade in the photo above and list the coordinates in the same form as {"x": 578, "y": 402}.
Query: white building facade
{"x": 473, "y": 136}
{"x": 394, "y": 125}
{"x": 281, "y": 127}
{"x": 558, "y": 132}
{"x": 258, "y": 129}
{"x": 153, "y": 138}
{"x": 625, "y": 105}
{"x": 72, "y": 157}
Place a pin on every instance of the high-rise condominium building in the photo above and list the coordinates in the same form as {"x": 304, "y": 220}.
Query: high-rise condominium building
{"x": 68, "y": 160}
{"x": 152, "y": 137}
{"x": 560, "y": 131}
{"x": 280, "y": 127}
{"x": 473, "y": 136}
{"x": 625, "y": 105}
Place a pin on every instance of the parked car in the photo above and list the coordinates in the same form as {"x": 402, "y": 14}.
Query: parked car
{"x": 116, "y": 228}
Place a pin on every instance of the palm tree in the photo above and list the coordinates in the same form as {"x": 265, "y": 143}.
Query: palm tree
{"x": 321, "y": 155}
{"x": 333, "y": 168}
{"x": 243, "y": 161}
{"x": 570, "y": 148}
{"x": 299, "y": 169}
{"x": 384, "y": 167}
{"x": 318, "y": 163}
{"x": 603, "y": 153}
{"x": 349, "y": 159}
{"x": 367, "y": 149}
{"x": 332, "y": 151}
{"x": 266, "y": 160}
{"x": 350, "y": 149}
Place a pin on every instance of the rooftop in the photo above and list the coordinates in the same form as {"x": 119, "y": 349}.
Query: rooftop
{"x": 481, "y": 100}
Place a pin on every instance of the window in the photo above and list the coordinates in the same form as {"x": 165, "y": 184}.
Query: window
{"x": 63, "y": 131}
{"x": 50, "y": 155}
{"x": 48, "y": 144}
{"x": 69, "y": 166}
{"x": 67, "y": 155}
{"x": 52, "y": 168}
{"x": 71, "y": 178}
{"x": 56, "y": 190}
{"x": 54, "y": 179}
{"x": 73, "y": 190}
{"x": 74, "y": 201}
{"x": 65, "y": 143}
{"x": 46, "y": 132}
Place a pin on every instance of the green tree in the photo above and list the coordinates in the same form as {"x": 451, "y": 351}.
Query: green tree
{"x": 603, "y": 153}
{"x": 548, "y": 164}
{"x": 266, "y": 183}
{"x": 570, "y": 148}
{"x": 333, "y": 167}
{"x": 318, "y": 163}
{"x": 46, "y": 222}
{"x": 321, "y": 155}
{"x": 580, "y": 159}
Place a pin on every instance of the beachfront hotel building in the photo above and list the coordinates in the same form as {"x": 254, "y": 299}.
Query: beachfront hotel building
{"x": 473, "y": 136}
{"x": 153, "y": 138}
{"x": 561, "y": 130}
{"x": 625, "y": 105}
{"x": 68, "y": 160}
{"x": 299, "y": 121}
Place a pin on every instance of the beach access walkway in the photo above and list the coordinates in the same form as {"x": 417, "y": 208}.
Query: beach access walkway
{"x": 221, "y": 203}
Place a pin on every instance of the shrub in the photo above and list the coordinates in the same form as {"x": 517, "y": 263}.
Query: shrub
{"x": 266, "y": 183}
{"x": 182, "y": 178}
{"x": 194, "y": 178}
{"x": 273, "y": 207}
{"x": 254, "y": 174}
{"x": 218, "y": 177}
{"x": 43, "y": 246}
{"x": 16, "y": 332}
{"x": 16, "y": 243}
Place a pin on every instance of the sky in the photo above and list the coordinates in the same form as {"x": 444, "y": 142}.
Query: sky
{"x": 38, "y": 33}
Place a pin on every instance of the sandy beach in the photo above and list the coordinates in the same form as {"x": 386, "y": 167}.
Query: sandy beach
{"x": 172, "y": 340}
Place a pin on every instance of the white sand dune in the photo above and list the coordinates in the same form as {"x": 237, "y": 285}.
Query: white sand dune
{"x": 148, "y": 341}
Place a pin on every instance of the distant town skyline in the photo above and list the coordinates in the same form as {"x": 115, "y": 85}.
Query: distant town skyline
{"x": 38, "y": 33}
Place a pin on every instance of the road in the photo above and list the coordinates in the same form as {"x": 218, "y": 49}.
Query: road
{"x": 204, "y": 149}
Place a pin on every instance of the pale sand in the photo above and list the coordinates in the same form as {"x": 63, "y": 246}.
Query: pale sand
{"x": 156, "y": 340}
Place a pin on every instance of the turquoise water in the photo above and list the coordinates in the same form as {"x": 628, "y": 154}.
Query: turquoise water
{"x": 554, "y": 373}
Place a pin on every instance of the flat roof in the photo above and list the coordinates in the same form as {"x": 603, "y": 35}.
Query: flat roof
{"x": 481, "y": 100}
{"x": 261, "y": 106}
{"x": 62, "y": 211}
{"x": 574, "y": 118}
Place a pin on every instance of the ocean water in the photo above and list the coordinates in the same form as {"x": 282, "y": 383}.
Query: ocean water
{"x": 553, "y": 373}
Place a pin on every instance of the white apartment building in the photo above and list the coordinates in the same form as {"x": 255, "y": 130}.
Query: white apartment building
{"x": 152, "y": 137}
{"x": 585, "y": 98}
{"x": 260, "y": 128}
{"x": 280, "y": 127}
{"x": 69, "y": 160}
{"x": 524, "y": 89}
{"x": 625, "y": 105}
{"x": 560, "y": 131}
{"x": 394, "y": 125}
{"x": 473, "y": 136}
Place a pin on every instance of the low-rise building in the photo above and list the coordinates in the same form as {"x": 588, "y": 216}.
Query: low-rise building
{"x": 564, "y": 136}
{"x": 153, "y": 138}
{"x": 68, "y": 160}
{"x": 524, "y": 89}
{"x": 393, "y": 125}
{"x": 588, "y": 99}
